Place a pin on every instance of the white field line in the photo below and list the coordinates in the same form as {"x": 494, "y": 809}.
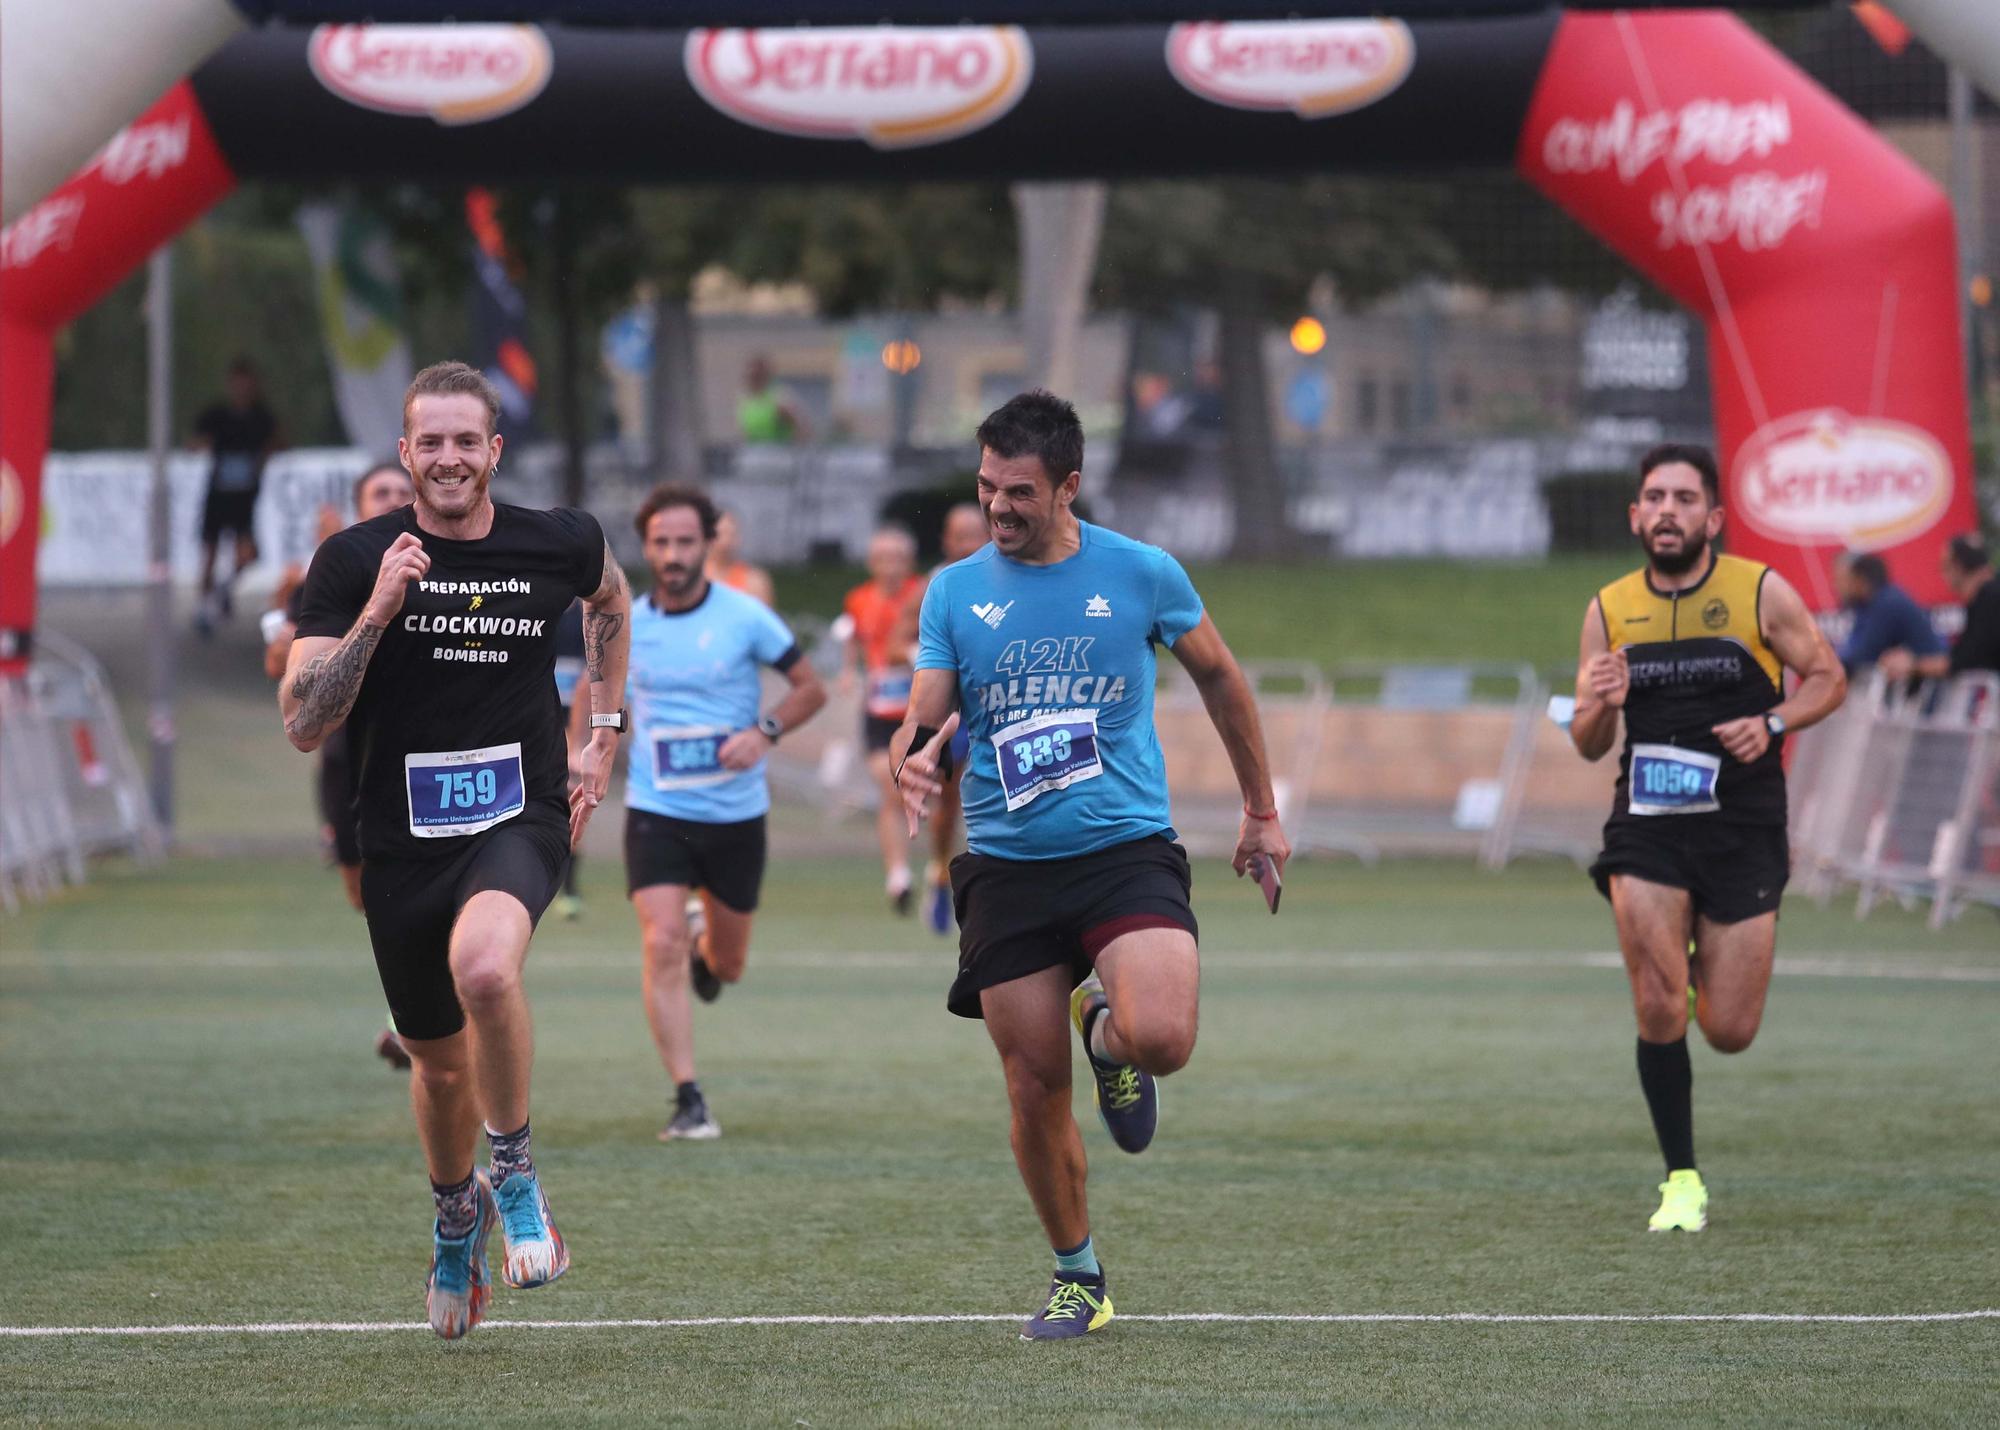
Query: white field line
{"x": 1357, "y": 1318}
{"x": 1807, "y": 965}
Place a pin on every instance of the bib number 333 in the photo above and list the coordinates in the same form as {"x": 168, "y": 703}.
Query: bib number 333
{"x": 1048, "y": 752}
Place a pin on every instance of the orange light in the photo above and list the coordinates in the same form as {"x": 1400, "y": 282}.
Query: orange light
{"x": 1982, "y": 291}
{"x": 1308, "y": 335}
{"x": 901, "y": 356}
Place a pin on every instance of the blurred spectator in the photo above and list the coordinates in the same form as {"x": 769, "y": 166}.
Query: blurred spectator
{"x": 239, "y": 434}
{"x": 765, "y": 414}
{"x": 1968, "y": 570}
{"x": 727, "y": 566}
{"x": 1890, "y": 629}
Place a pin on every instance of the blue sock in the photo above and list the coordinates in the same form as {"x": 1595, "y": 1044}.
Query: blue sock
{"x": 1079, "y": 1260}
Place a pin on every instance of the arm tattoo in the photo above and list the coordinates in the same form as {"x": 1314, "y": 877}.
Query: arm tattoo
{"x": 600, "y": 627}
{"x": 326, "y": 685}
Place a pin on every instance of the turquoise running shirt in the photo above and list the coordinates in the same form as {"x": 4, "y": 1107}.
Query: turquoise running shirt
{"x": 1055, "y": 675}
{"x": 696, "y": 679}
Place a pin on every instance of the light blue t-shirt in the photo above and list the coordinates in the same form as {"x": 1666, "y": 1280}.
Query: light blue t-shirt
{"x": 1055, "y": 681}
{"x": 695, "y": 680}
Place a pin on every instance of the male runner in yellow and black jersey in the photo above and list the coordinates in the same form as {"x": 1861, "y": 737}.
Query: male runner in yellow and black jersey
{"x": 1692, "y": 648}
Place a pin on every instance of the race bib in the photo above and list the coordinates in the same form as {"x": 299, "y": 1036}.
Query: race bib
{"x": 1669, "y": 780}
{"x": 463, "y": 791}
{"x": 889, "y": 691}
{"x": 1047, "y": 752}
{"x": 688, "y": 757}
{"x": 235, "y": 471}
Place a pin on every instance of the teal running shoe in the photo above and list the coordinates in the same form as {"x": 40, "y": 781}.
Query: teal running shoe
{"x": 535, "y": 1251}
{"x": 460, "y": 1283}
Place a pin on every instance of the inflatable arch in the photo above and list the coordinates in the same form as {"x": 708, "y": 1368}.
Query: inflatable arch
{"x": 1822, "y": 261}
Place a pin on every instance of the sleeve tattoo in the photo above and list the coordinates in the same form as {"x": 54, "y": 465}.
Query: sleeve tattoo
{"x": 326, "y": 685}
{"x": 600, "y": 627}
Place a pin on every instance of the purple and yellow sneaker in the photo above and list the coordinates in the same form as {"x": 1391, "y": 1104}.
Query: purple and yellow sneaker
{"x": 460, "y": 1284}
{"x": 1078, "y": 1305}
{"x": 535, "y": 1251}
{"x": 1128, "y": 1100}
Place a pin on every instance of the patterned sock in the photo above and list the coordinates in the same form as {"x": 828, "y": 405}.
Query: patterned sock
{"x": 1079, "y": 1260}
{"x": 458, "y": 1208}
{"x": 510, "y": 1154}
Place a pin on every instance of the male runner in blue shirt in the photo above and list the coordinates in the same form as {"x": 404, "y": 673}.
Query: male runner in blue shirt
{"x": 1042, "y": 643}
{"x": 695, "y": 795}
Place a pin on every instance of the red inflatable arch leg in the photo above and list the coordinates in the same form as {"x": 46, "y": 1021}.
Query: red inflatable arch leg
{"x": 1823, "y": 261}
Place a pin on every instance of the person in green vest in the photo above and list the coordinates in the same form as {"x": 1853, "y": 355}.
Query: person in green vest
{"x": 764, "y": 413}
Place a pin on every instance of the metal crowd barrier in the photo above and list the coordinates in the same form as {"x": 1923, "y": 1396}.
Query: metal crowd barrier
{"x": 1898, "y": 796}
{"x": 69, "y": 785}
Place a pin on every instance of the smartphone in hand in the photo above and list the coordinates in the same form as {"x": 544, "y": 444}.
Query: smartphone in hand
{"x": 1265, "y": 872}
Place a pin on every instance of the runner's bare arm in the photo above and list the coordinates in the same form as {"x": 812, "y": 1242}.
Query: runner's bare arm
{"x": 607, "y": 649}
{"x": 1233, "y": 710}
{"x": 1602, "y": 678}
{"x": 1795, "y": 637}
{"x": 323, "y": 674}
{"x": 933, "y": 707}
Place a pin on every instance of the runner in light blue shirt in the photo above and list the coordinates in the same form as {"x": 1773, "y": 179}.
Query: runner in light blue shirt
{"x": 1073, "y": 898}
{"x": 695, "y": 792}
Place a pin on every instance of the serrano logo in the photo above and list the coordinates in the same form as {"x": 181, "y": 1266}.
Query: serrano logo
{"x": 457, "y": 74}
{"x": 1827, "y": 478}
{"x": 893, "y": 86}
{"x": 1315, "y": 68}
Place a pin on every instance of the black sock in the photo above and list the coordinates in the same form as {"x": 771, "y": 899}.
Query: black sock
{"x": 510, "y": 1154}
{"x": 1667, "y": 1077}
{"x": 458, "y": 1208}
{"x": 687, "y": 1094}
{"x": 569, "y": 875}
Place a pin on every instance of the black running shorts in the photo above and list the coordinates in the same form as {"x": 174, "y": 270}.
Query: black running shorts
{"x": 725, "y": 859}
{"x": 226, "y": 513}
{"x": 412, "y": 904}
{"x": 877, "y": 731}
{"x": 1732, "y": 872}
{"x": 1019, "y": 916}
{"x": 339, "y": 784}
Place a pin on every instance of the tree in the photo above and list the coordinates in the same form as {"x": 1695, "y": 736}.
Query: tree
{"x": 1254, "y": 247}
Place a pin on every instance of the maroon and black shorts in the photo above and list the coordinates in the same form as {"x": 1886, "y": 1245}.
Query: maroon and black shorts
{"x": 1019, "y": 916}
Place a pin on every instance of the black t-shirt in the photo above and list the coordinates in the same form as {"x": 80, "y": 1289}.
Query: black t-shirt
{"x": 467, "y": 664}
{"x": 1978, "y": 645}
{"x": 238, "y": 439}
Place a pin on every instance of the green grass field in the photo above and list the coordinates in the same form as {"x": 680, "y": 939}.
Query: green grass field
{"x": 1413, "y": 1094}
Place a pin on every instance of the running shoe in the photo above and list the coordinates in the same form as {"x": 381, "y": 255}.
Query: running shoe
{"x": 1077, "y": 1306}
{"x": 389, "y": 1048}
{"x": 460, "y": 1283}
{"x": 1683, "y": 1203}
{"x": 692, "y": 1121}
{"x": 937, "y": 909}
{"x": 1128, "y": 1100}
{"x": 570, "y": 907}
{"x": 707, "y": 986}
{"x": 535, "y": 1251}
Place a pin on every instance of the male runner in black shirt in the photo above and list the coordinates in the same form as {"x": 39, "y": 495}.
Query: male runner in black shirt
{"x": 431, "y": 633}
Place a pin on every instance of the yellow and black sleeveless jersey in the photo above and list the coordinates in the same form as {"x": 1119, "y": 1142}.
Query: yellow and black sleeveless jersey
{"x": 1698, "y": 658}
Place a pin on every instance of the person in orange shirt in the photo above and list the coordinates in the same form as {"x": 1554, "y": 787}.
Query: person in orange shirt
{"x": 727, "y": 567}
{"x": 870, "y": 650}
{"x": 964, "y": 533}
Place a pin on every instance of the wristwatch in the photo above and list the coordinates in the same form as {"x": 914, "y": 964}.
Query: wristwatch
{"x": 615, "y": 720}
{"x": 1775, "y": 723}
{"x": 769, "y": 727}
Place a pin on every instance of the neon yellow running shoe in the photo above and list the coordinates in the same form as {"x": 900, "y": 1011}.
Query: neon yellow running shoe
{"x": 1128, "y": 1100}
{"x": 1683, "y": 1203}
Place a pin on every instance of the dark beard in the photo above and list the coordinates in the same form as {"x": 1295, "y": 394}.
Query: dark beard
{"x": 1693, "y": 544}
